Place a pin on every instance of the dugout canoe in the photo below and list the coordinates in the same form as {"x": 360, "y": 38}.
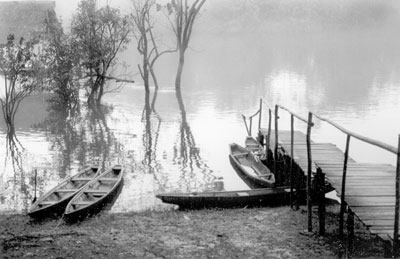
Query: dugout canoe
{"x": 228, "y": 199}
{"x": 250, "y": 168}
{"x": 53, "y": 202}
{"x": 255, "y": 147}
{"x": 96, "y": 194}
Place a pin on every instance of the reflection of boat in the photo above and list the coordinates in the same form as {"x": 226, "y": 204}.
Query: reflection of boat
{"x": 228, "y": 199}
{"x": 95, "y": 195}
{"x": 53, "y": 202}
{"x": 250, "y": 168}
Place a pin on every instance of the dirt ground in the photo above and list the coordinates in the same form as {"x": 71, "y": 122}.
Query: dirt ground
{"x": 237, "y": 233}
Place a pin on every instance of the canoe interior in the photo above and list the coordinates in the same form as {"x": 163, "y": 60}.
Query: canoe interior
{"x": 54, "y": 201}
{"x": 249, "y": 166}
{"x": 255, "y": 147}
{"x": 96, "y": 194}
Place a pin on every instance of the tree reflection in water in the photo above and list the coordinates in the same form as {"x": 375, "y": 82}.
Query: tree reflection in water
{"x": 13, "y": 185}
{"x": 78, "y": 136}
{"x": 151, "y": 133}
{"x": 187, "y": 154}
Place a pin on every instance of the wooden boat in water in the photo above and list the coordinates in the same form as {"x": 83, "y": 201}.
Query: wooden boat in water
{"x": 255, "y": 147}
{"x": 96, "y": 194}
{"x": 229, "y": 199}
{"x": 53, "y": 202}
{"x": 250, "y": 168}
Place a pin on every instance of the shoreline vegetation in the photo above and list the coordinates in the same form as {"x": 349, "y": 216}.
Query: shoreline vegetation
{"x": 277, "y": 232}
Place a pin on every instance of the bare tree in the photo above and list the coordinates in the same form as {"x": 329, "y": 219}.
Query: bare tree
{"x": 20, "y": 67}
{"x": 147, "y": 46}
{"x": 182, "y": 25}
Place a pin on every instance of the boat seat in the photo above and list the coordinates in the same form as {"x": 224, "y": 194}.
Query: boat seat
{"x": 107, "y": 179}
{"x": 81, "y": 202}
{"x": 241, "y": 154}
{"x": 66, "y": 190}
{"x": 82, "y": 179}
{"x": 95, "y": 191}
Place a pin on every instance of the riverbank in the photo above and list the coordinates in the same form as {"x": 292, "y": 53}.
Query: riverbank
{"x": 237, "y": 233}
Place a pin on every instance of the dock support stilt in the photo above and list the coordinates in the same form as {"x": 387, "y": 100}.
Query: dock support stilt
{"x": 350, "y": 231}
{"x": 309, "y": 165}
{"x": 320, "y": 179}
{"x": 343, "y": 192}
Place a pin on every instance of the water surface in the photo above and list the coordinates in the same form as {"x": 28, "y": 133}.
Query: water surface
{"x": 338, "y": 59}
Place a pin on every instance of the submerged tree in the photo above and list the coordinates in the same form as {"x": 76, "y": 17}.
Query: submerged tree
{"x": 62, "y": 63}
{"x": 99, "y": 35}
{"x": 20, "y": 67}
{"x": 147, "y": 43}
{"x": 182, "y": 25}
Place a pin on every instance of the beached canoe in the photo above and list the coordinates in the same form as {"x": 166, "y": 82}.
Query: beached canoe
{"x": 250, "y": 168}
{"x": 96, "y": 194}
{"x": 228, "y": 199}
{"x": 54, "y": 202}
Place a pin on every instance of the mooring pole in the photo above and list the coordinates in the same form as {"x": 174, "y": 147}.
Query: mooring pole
{"x": 259, "y": 119}
{"x": 245, "y": 124}
{"x": 320, "y": 179}
{"x": 343, "y": 193}
{"x": 277, "y": 175}
{"x": 350, "y": 230}
{"x": 291, "y": 158}
{"x": 268, "y": 140}
{"x": 309, "y": 169}
{"x": 35, "y": 198}
{"x": 397, "y": 206}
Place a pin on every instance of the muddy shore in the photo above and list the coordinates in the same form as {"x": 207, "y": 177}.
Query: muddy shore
{"x": 237, "y": 233}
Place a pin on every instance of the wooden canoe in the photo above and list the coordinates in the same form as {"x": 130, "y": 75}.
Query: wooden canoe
{"x": 250, "y": 168}
{"x": 229, "y": 199}
{"x": 255, "y": 147}
{"x": 53, "y": 202}
{"x": 96, "y": 194}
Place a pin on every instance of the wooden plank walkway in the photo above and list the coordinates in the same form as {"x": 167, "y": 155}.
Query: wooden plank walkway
{"x": 370, "y": 188}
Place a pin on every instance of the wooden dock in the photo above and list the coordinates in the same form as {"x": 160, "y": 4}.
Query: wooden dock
{"x": 370, "y": 188}
{"x": 369, "y": 191}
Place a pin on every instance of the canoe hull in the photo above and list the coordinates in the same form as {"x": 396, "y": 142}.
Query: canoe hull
{"x": 72, "y": 215}
{"x": 266, "y": 197}
{"x": 55, "y": 208}
{"x": 253, "y": 180}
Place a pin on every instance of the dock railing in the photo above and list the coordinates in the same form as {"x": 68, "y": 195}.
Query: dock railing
{"x": 310, "y": 124}
{"x": 381, "y": 145}
{"x": 350, "y": 135}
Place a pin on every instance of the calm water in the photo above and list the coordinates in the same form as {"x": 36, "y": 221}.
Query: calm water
{"x": 340, "y": 60}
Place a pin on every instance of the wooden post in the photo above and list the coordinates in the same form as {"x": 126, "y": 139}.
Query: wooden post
{"x": 320, "y": 179}
{"x": 259, "y": 119}
{"x": 291, "y": 158}
{"x": 309, "y": 165}
{"x": 245, "y": 124}
{"x": 343, "y": 193}
{"x": 268, "y": 140}
{"x": 251, "y": 125}
{"x": 299, "y": 193}
{"x": 397, "y": 206}
{"x": 277, "y": 175}
{"x": 350, "y": 230}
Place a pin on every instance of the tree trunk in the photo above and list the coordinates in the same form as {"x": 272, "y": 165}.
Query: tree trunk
{"x": 180, "y": 69}
{"x": 153, "y": 75}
